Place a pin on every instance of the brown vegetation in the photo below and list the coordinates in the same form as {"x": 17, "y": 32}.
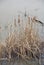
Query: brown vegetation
{"x": 26, "y": 44}
{"x": 1, "y": 50}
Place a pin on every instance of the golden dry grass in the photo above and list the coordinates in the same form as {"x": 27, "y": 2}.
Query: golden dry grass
{"x": 26, "y": 44}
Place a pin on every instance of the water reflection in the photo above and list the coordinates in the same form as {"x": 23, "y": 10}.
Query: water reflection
{"x": 18, "y": 62}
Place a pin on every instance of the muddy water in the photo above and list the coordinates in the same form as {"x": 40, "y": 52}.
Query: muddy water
{"x": 18, "y": 62}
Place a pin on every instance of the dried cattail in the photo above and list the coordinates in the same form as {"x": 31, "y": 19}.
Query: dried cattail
{"x": 19, "y": 19}
{"x": 15, "y": 22}
{"x": 29, "y": 20}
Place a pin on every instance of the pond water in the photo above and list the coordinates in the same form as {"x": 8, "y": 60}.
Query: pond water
{"x": 18, "y": 63}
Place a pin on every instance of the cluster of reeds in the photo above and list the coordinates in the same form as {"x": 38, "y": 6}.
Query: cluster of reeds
{"x": 25, "y": 44}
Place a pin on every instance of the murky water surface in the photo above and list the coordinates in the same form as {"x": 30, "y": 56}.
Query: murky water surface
{"x": 18, "y": 62}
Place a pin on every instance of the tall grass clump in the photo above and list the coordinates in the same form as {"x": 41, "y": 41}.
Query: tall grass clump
{"x": 24, "y": 44}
